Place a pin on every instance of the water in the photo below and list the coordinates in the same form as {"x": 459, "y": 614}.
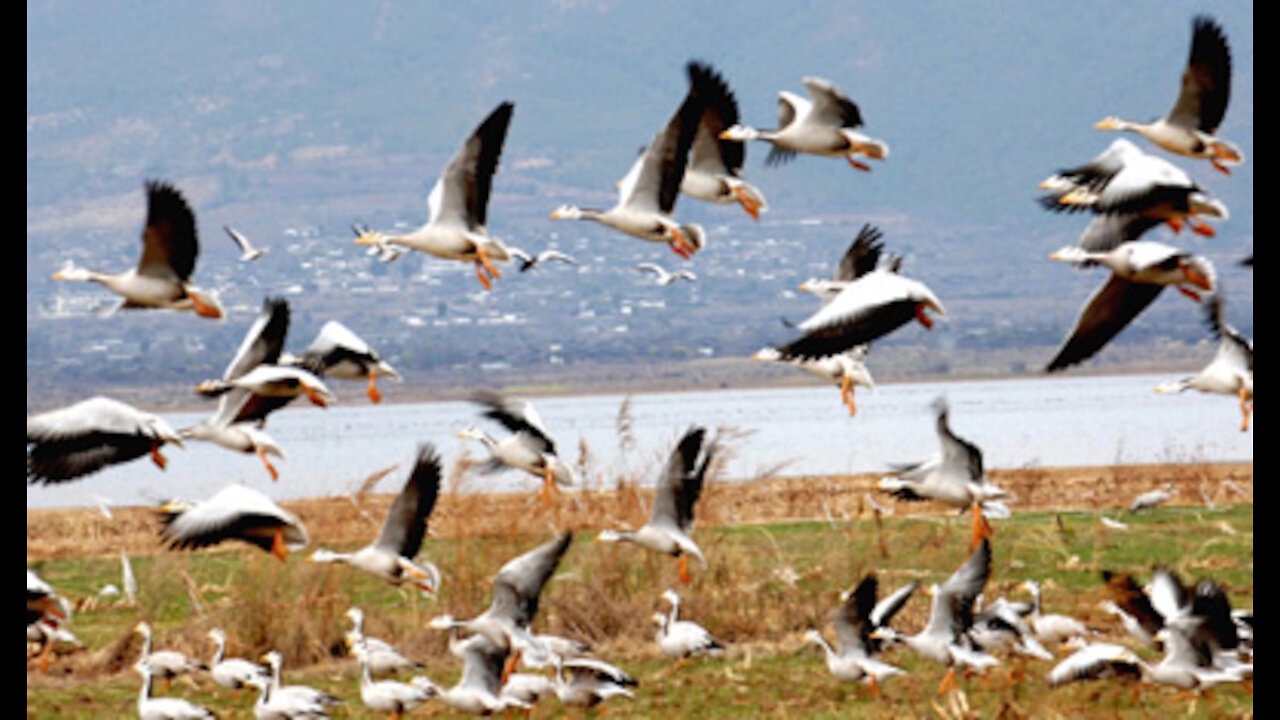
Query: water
{"x": 793, "y": 431}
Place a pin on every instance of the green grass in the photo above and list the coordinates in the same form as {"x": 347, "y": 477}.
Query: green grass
{"x": 765, "y": 585}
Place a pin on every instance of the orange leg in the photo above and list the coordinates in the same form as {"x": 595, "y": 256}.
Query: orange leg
{"x": 372, "y": 391}
{"x": 314, "y": 396}
{"x": 751, "y": 206}
{"x": 948, "y": 682}
{"x": 271, "y": 469}
{"x": 481, "y": 276}
{"x": 156, "y": 457}
{"x": 1175, "y": 223}
{"x": 278, "y": 548}
{"x": 846, "y": 394}
{"x": 981, "y": 528}
{"x": 924, "y": 319}
{"x": 204, "y": 310}
{"x": 549, "y": 488}
{"x": 857, "y": 165}
{"x": 685, "y": 577}
{"x": 1200, "y": 228}
{"x": 510, "y": 666}
{"x": 1246, "y": 409}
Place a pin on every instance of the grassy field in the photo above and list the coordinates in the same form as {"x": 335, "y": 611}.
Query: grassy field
{"x": 780, "y": 553}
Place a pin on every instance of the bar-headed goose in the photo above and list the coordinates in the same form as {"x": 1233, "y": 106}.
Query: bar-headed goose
{"x": 529, "y": 447}
{"x": 1231, "y": 370}
{"x": 234, "y": 673}
{"x": 164, "y": 708}
{"x": 235, "y": 512}
{"x": 859, "y": 615}
{"x": 248, "y": 251}
{"x": 1123, "y": 180}
{"x": 827, "y": 124}
{"x": 847, "y": 370}
{"x": 1190, "y": 127}
{"x": 953, "y": 476}
{"x": 459, "y": 205}
{"x": 72, "y": 442}
{"x": 671, "y": 517}
{"x": 382, "y": 657}
{"x": 665, "y": 277}
{"x": 293, "y": 700}
{"x": 166, "y": 664}
{"x": 338, "y": 352}
{"x": 392, "y": 555}
{"x": 162, "y": 277}
{"x": 682, "y": 639}
{"x": 587, "y": 682}
{"x": 647, "y": 193}
{"x": 479, "y": 690}
{"x": 389, "y": 696}
{"x": 1140, "y": 271}
{"x": 714, "y": 171}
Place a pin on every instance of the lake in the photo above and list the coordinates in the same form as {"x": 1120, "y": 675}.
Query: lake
{"x": 1043, "y": 421}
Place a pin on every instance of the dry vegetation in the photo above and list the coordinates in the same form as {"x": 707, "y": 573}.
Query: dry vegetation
{"x": 780, "y": 552}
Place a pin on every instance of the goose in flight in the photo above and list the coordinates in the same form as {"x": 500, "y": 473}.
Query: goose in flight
{"x": 1140, "y": 270}
{"x": 248, "y": 251}
{"x": 664, "y": 277}
{"x": 1052, "y": 628}
{"x": 516, "y": 590}
{"x": 80, "y": 439}
{"x": 671, "y": 517}
{"x": 587, "y": 682}
{"x": 529, "y": 262}
{"x": 863, "y": 256}
{"x": 647, "y": 193}
{"x": 847, "y": 370}
{"x": 1123, "y": 180}
{"x": 953, "y": 476}
{"x": 1190, "y": 127}
{"x": 236, "y": 512}
{"x": 826, "y": 124}
{"x": 392, "y": 555}
{"x": 859, "y": 615}
{"x": 529, "y": 447}
{"x": 714, "y": 171}
{"x": 479, "y": 690}
{"x": 338, "y": 352}
{"x": 459, "y": 205}
{"x": 1231, "y": 370}
{"x": 162, "y": 277}
{"x": 944, "y": 639}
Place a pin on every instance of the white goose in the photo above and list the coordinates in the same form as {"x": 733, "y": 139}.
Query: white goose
{"x": 478, "y": 691}
{"x": 954, "y": 476}
{"x": 162, "y": 276}
{"x": 338, "y": 352}
{"x": 647, "y": 193}
{"x": 247, "y": 250}
{"x": 381, "y": 657}
{"x": 714, "y": 171}
{"x": 78, "y": 440}
{"x": 233, "y": 673}
{"x": 303, "y": 699}
{"x": 164, "y": 708}
{"x": 166, "y": 664}
{"x": 1052, "y": 628}
{"x": 828, "y": 126}
{"x": 530, "y": 446}
{"x": 392, "y": 555}
{"x": 1122, "y": 180}
{"x": 857, "y": 617}
{"x": 236, "y": 512}
{"x": 847, "y": 370}
{"x": 1140, "y": 271}
{"x": 671, "y": 517}
{"x": 1191, "y": 125}
{"x": 388, "y": 696}
{"x": 590, "y": 682}
{"x": 682, "y": 639}
{"x": 664, "y": 277}
{"x": 1231, "y": 370}
{"x": 459, "y": 205}
{"x": 1153, "y": 498}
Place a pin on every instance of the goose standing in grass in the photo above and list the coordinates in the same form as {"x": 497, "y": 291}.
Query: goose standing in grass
{"x": 162, "y": 277}
{"x": 479, "y": 690}
{"x": 682, "y": 639}
{"x": 714, "y": 170}
{"x": 587, "y": 682}
{"x": 954, "y": 476}
{"x": 1052, "y": 628}
{"x": 944, "y": 639}
{"x": 459, "y": 205}
{"x": 857, "y": 617}
{"x": 338, "y": 352}
{"x": 1231, "y": 370}
{"x": 166, "y": 664}
{"x": 664, "y": 277}
{"x": 393, "y": 555}
{"x": 380, "y": 656}
{"x": 1190, "y": 127}
{"x": 248, "y": 252}
{"x": 1140, "y": 271}
{"x": 529, "y": 447}
{"x": 303, "y": 697}
{"x": 388, "y": 696}
{"x": 1124, "y": 181}
{"x": 236, "y": 512}
{"x": 671, "y": 517}
{"x": 826, "y": 124}
{"x": 232, "y": 672}
{"x": 516, "y": 589}
{"x": 647, "y": 193}
{"x": 1152, "y": 498}
{"x": 91, "y": 435}
{"x": 238, "y": 423}
{"x": 847, "y": 370}
{"x": 164, "y": 708}
{"x": 529, "y": 262}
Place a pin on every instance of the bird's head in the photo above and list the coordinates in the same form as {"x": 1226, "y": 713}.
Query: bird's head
{"x": 567, "y": 212}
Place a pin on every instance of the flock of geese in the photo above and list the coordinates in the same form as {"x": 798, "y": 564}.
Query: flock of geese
{"x": 700, "y": 152}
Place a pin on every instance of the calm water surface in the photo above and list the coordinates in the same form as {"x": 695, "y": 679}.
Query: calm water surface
{"x": 791, "y": 431}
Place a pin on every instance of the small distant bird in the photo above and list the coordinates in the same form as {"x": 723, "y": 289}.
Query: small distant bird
{"x": 1191, "y": 125}
{"x": 829, "y": 126}
{"x": 529, "y": 262}
{"x": 663, "y": 277}
{"x": 247, "y": 251}
{"x": 1152, "y": 498}
{"x": 91, "y": 435}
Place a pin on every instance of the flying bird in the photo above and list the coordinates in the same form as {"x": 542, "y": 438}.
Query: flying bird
{"x": 858, "y": 616}
{"x": 714, "y": 170}
{"x": 236, "y": 512}
{"x": 529, "y": 262}
{"x": 459, "y": 205}
{"x": 91, "y": 435}
{"x": 664, "y": 277}
{"x": 1231, "y": 370}
{"x": 338, "y": 352}
{"x": 530, "y": 446}
{"x": 248, "y": 251}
